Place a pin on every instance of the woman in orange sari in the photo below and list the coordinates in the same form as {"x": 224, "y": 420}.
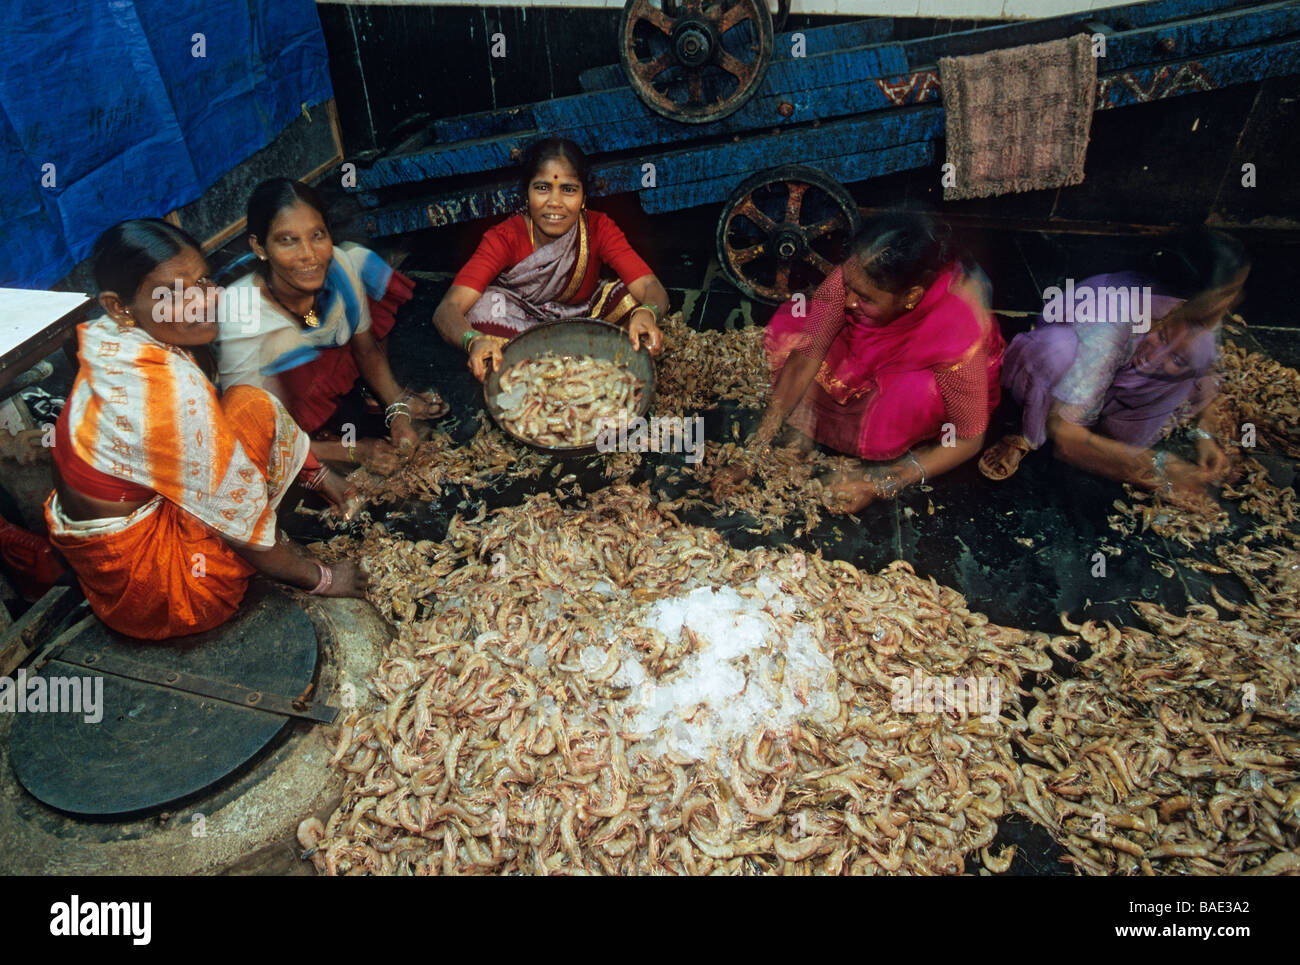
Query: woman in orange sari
{"x": 546, "y": 263}
{"x": 165, "y": 495}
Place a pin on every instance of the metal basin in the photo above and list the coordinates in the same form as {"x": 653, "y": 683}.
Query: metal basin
{"x": 571, "y": 336}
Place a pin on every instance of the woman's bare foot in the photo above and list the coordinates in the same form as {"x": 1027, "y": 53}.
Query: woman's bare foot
{"x": 1001, "y": 460}
{"x": 433, "y": 405}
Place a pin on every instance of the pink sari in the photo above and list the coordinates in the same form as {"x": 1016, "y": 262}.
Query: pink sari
{"x": 882, "y": 389}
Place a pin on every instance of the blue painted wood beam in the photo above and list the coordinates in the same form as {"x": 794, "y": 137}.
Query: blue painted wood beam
{"x": 794, "y": 92}
{"x": 852, "y": 150}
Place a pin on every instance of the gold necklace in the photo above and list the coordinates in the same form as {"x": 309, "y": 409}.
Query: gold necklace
{"x": 311, "y": 319}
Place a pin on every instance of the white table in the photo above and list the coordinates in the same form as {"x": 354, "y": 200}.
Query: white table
{"x": 35, "y": 323}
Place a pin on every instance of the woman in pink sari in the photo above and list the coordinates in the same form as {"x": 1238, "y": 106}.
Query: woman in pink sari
{"x": 896, "y": 349}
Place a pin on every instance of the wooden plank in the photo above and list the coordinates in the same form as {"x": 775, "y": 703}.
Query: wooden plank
{"x": 482, "y": 124}
{"x": 1136, "y": 16}
{"x": 1204, "y": 35}
{"x": 797, "y": 92}
{"x": 817, "y": 40}
{"x": 847, "y": 168}
{"x": 883, "y": 142}
{"x": 30, "y": 631}
{"x": 1142, "y": 86}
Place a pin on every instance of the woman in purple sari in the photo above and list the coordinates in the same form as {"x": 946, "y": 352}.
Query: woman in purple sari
{"x": 548, "y": 262}
{"x": 1118, "y": 359}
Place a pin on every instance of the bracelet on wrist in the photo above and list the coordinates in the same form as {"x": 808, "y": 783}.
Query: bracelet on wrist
{"x": 919, "y": 468}
{"x": 326, "y": 579}
{"x": 352, "y": 452}
{"x": 395, "y": 410}
{"x": 313, "y": 480}
{"x": 467, "y": 339}
{"x": 1158, "y": 461}
{"x": 1196, "y": 432}
{"x": 652, "y": 309}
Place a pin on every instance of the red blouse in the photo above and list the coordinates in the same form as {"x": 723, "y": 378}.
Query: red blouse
{"x": 85, "y": 478}
{"x": 507, "y": 244}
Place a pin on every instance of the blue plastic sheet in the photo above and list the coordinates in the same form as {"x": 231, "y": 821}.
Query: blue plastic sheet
{"x": 111, "y": 94}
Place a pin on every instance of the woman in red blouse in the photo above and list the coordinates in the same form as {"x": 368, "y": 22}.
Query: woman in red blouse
{"x": 545, "y": 263}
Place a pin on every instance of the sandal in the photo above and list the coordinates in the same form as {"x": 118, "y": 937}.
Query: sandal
{"x": 1001, "y": 460}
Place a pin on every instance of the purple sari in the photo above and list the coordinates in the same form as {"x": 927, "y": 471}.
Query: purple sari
{"x": 1086, "y": 370}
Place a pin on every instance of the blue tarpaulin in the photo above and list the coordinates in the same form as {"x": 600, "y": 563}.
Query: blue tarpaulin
{"x": 108, "y": 104}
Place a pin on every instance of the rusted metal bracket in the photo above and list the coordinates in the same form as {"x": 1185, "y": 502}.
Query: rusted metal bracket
{"x": 119, "y": 666}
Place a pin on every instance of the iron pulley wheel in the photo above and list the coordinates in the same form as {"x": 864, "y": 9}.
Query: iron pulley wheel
{"x": 784, "y": 230}
{"x": 695, "y": 61}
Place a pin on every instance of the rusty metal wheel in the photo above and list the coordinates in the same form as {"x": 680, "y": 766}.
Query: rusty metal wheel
{"x": 784, "y": 230}
{"x": 695, "y": 61}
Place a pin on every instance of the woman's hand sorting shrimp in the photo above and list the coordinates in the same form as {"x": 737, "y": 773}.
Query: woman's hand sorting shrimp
{"x": 642, "y": 327}
{"x": 484, "y": 356}
{"x": 728, "y": 479}
{"x": 378, "y": 455}
{"x": 349, "y": 580}
{"x": 402, "y": 434}
{"x": 1211, "y": 458}
{"x": 340, "y": 495}
{"x": 846, "y": 492}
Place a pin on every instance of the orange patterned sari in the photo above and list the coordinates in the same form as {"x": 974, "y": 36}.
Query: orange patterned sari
{"x": 143, "y": 412}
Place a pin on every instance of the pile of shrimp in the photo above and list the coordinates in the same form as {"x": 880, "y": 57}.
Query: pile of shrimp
{"x": 437, "y": 463}
{"x": 697, "y": 368}
{"x": 1260, "y": 392}
{"x": 784, "y": 487}
{"x": 497, "y": 747}
{"x": 563, "y": 400}
{"x": 1259, "y": 410}
{"x": 1175, "y": 751}
{"x": 1182, "y": 521}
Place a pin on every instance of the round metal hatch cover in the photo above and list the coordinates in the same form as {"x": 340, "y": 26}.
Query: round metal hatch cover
{"x": 153, "y": 745}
